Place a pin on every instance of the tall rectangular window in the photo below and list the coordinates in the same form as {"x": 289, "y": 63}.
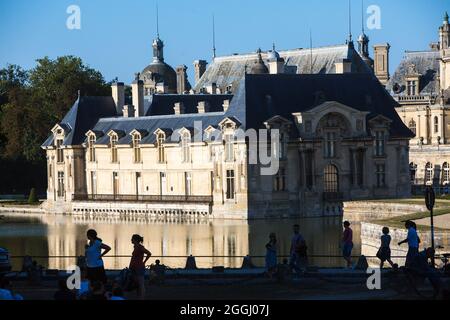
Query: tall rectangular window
{"x": 59, "y": 151}
{"x": 230, "y": 184}
{"x": 188, "y": 183}
{"x": 359, "y": 167}
{"x": 61, "y": 190}
{"x": 114, "y": 155}
{"x": 185, "y": 140}
{"x": 229, "y": 148}
{"x": 160, "y": 146}
{"x": 136, "y": 148}
{"x": 93, "y": 182}
{"x": 91, "y": 148}
{"x": 381, "y": 175}
{"x": 115, "y": 184}
{"x": 309, "y": 169}
{"x": 379, "y": 143}
{"x": 330, "y": 144}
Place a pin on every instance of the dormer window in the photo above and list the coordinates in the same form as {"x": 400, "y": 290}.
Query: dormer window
{"x": 114, "y": 155}
{"x": 59, "y": 151}
{"x": 411, "y": 86}
{"x": 136, "y": 144}
{"x": 160, "y": 146}
{"x": 91, "y": 147}
{"x": 185, "y": 140}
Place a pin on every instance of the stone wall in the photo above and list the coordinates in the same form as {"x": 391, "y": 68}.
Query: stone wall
{"x": 370, "y": 241}
{"x": 371, "y": 210}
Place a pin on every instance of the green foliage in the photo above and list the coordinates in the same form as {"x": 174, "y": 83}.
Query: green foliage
{"x": 32, "y": 102}
{"x": 32, "y": 198}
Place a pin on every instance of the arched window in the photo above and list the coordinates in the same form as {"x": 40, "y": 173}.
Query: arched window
{"x": 412, "y": 126}
{"x": 445, "y": 173}
{"x": 428, "y": 173}
{"x": 91, "y": 148}
{"x": 436, "y": 124}
{"x": 160, "y": 146}
{"x": 330, "y": 179}
{"x": 114, "y": 157}
{"x": 412, "y": 172}
{"x": 137, "y": 148}
{"x": 185, "y": 140}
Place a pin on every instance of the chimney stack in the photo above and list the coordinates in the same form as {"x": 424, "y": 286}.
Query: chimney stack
{"x": 343, "y": 66}
{"x": 118, "y": 95}
{"x": 381, "y": 62}
{"x": 200, "y": 68}
{"x": 181, "y": 79}
{"x": 226, "y": 105}
{"x": 128, "y": 111}
{"x": 137, "y": 91}
{"x": 179, "y": 108}
{"x": 203, "y": 106}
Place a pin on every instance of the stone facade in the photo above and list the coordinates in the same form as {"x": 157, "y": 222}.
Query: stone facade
{"x": 421, "y": 87}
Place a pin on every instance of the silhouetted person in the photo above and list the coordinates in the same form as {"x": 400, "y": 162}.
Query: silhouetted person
{"x": 157, "y": 272}
{"x": 298, "y": 249}
{"x": 384, "y": 252}
{"x": 413, "y": 241}
{"x": 94, "y": 254}
{"x": 137, "y": 263}
{"x": 6, "y": 292}
{"x": 347, "y": 244}
{"x": 63, "y": 293}
{"x": 271, "y": 255}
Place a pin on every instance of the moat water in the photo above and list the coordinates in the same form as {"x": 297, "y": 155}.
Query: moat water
{"x": 213, "y": 243}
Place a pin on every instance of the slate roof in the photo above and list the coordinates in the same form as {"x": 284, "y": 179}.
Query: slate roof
{"x": 229, "y": 70}
{"x": 257, "y": 99}
{"x": 426, "y": 64}
{"x": 82, "y": 117}
{"x": 266, "y": 96}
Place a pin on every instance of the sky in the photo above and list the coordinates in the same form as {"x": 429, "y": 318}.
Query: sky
{"x": 115, "y": 35}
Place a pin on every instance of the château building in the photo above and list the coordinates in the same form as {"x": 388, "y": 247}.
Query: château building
{"x": 175, "y": 150}
{"x": 420, "y": 85}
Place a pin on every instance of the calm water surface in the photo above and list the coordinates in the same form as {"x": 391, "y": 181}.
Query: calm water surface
{"x": 58, "y": 235}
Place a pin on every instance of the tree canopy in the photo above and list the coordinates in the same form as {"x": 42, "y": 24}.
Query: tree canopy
{"x": 33, "y": 101}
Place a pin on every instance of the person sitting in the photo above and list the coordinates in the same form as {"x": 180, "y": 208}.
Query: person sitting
{"x": 63, "y": 293}
{"x": 157, "y": 272}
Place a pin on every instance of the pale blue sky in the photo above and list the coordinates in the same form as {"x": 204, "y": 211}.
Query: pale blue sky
{"x": 115, "y": 36}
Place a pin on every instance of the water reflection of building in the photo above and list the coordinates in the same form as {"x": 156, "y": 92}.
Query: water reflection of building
{"x": 163, "y": 237}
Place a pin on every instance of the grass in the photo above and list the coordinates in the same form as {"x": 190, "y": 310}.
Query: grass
{"x": 399, "y": 221}
{"x": 11, "y": 203}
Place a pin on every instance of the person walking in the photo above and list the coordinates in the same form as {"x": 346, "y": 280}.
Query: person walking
{"x": 137, "y": 263}
{"x": 412, "y": 240}
{"x": 347, "y": 244}
{"x": 271, "y": 255}
{"x": 384, "y": 252}
{"x": 298, "y": 253}
{"x": 94, "y": 262}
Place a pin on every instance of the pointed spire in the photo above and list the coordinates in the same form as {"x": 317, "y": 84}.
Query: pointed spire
{"x": 273, "y": 46}
{"x": 362, "y": 16}
{"x": 79, "y": 94}
{"x": 157, "y": 21}
{"x": 349, "y": 21}
{"x": 214, "y": 38}
{"x": 446, "y": 17}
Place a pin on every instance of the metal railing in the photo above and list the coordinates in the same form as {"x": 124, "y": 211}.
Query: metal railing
{"x": 143, "y": 198}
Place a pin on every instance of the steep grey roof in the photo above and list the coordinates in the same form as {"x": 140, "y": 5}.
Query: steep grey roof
{"x": 229, "y": 70}
{"x": 168, "y": 123}
{"x": 426, "y": 64}
{"x": 82, "y": 117}
{"x": 269, "y": 95}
